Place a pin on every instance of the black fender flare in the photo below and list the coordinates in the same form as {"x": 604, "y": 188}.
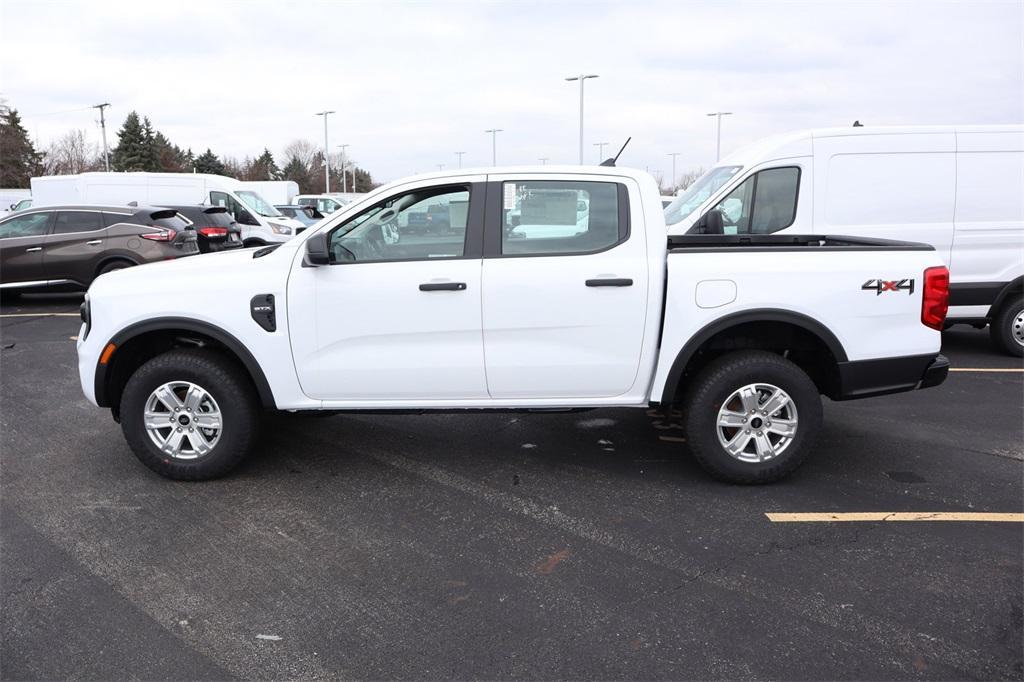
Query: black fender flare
{"x": 1014, "y": 287}
{"x": 187, "y": 325}
{"x": 675, "y": 374}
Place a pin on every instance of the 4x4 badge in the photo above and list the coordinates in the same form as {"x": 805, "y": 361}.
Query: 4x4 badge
{"x": 881, "y": 285}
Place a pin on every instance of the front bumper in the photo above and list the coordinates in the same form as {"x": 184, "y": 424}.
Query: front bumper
{"x": 869, "y": 378}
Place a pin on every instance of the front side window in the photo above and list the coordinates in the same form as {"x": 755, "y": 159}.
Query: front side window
{"x": 380, "y": 233}
{"x": 227, "y": 201}
{"x": 560, "y": 217}
{"x": 77, "y": 221}
{"x": 762, "y": 204}
{"x": 695, "y": 195}
{"x": 31, "y": 225}
{"x": 258, "y": 204}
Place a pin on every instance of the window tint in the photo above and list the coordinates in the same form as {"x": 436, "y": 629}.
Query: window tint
{"x": 77, "y": 221}
{"x": 764, "y": 203}
{"x": 212, "y": 219}
{"x": 114, "y": 218}
{"x": 551, "y": 216}
{"x": 29, "y": 225}
{"x": 175, "y": 222}
{"x": 395, "y": 229}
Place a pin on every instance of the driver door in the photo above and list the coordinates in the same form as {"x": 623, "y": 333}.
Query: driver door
{"x": 395, "y": 319}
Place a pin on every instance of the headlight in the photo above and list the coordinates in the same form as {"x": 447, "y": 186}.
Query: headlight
{"x": 280, "y": 229}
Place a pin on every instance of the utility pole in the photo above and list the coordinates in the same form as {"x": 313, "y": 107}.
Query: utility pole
{"x": 543, "y": 160}
{"x": 494, "y": 144}
{"x": 581, "y": 78}
{"x": 674, "y": 155}
{"x": 718, "y": 145}
{"x": 459, "y": 154}
{"x": 103, "y": 127}
{"x": 327, "y": 154}
{"x": 440, "y": 166}
{"x": 600, "y": 151}
{"x": 344, "y": 179}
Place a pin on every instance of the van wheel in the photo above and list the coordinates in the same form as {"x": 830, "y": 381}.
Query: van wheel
{"x": 752, "y": 417}
{"x": 1007, "y": 327}
{"x": 189, "y": 415}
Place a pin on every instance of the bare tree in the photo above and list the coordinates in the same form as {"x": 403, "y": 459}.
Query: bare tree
{"x": 690, "y": 177}
{"x": 72, "y": 153}
{"x": 301, "y": 150}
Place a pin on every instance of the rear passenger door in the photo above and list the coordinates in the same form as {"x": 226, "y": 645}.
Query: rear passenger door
{"x": 74, "y": 246}
{"x": 564, "y": 288}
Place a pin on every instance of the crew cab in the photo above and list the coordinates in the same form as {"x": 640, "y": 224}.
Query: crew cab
{"x": 743, "y": 333}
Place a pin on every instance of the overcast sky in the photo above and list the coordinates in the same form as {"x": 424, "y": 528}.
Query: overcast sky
{"x": 413, "y": 82}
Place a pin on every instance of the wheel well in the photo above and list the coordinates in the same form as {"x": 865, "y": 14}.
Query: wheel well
{"x": 1008, "y": 293}
{"x": 140, "y": 348}
{"x": 803, "y": 347}
{"x": 112, "y": 259}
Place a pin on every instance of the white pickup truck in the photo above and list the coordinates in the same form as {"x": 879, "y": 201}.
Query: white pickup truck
{"x": 744, "y": 333}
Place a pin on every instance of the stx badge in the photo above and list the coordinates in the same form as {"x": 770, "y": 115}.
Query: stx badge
{"x": 881, "y": 285}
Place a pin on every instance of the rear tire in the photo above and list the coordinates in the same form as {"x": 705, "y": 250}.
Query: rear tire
{"x": 115, "y": 265}
{"x": 1007, "y": 327}
{"x": 211, "y": 410}
{"x": 766, "y": 444}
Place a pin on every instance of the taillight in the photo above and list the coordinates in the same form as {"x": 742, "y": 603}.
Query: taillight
{"x": 935, "y": 301}
{"x": 213, "y": 231}
{"x": 161, "y": 235}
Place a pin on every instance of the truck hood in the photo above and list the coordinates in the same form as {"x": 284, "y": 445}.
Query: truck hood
{"x": 203, "y": 274}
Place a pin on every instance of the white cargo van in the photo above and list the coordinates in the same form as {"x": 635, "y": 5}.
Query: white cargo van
{"x": 261, "y": 223}
{"x": 958, "y": 188}
{"x": 328, "y": 203}
{"x": 9, "y": 198}
{"x": 277, "y": 192}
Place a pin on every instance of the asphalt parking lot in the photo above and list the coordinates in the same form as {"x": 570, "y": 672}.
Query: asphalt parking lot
{"x": 507, "y": 546}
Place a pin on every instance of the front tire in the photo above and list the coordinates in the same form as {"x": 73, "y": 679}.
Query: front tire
{"x": 752, "y": 417}
{"x": 1007, "y": 327}
{"x": 189, "y": 415}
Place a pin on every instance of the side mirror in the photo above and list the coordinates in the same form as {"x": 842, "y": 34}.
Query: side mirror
{"x": 245, "y": 218}
{"x": 713, "y": 223}
{"x": 317, "y": 252}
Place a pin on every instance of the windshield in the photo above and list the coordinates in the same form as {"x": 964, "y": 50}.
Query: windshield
{"x": 695, "y": 195}
{"x": 257, "y": 203}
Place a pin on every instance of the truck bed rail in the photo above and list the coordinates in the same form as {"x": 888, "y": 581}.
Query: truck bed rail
{"x": 691, "y": 243}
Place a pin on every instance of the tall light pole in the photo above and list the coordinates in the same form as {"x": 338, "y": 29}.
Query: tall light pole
{"x": 344, "y": 179}
{"x": 459, "y": 154}
{"x": 581, "y": 78}
{"x": 543, "y": 160}
{"x": 674, "y": 155}
{"x": 103, "y": 127}
{"x": 600, "y": 151}
{"x": 327, "y": 154}
{"x": 494, "y": 144}
{"x": 440, "y": 166}
{"x": 718, "y": 145}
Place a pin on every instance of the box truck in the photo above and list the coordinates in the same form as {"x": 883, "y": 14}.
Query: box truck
{"x": 261, "y": 223}
{"x": 277, "y": 192}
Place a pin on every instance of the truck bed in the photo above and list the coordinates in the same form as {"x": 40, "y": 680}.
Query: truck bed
{"x": 787, "y": 242}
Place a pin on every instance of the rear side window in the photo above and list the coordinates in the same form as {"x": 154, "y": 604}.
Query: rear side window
{"x": 763, "y": 203}
{"x": 115, "y": 218}
{"x": 170, "y": 220}
{"x": 77, "y": 221}
{"x": 560, "y": 217}
{"x": 31, "y": 225}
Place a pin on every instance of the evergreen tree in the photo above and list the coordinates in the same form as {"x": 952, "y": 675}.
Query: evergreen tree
{"x": 134, "y": 151}
{"x": 188, "y": 161}
{"x": 209, "y": 163}
{"x": 169, "y": 157}
{"x": 264, "y": 167}
{"x": 297, "y": 171}
{"x": 18, "y": 157}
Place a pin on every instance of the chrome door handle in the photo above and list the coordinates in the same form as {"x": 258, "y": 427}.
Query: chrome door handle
{"x": 95, "y": 242}
{"x": 34, "y": 248}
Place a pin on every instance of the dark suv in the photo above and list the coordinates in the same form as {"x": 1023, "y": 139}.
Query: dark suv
{"x": 69, "y": 246}
{"x": 216, "y": 229}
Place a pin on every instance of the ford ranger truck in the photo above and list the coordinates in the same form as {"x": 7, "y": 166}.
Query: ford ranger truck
{"x": 526, "y": 303}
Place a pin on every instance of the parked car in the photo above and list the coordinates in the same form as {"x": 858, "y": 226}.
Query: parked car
{"x": 216, "y": 229}
{"x": 67, "y": 247}
{"x": 325, "y": 203}
{"x": 260, "y": 222}
{"x": 307, "y": 215}
{"x": 957, "y": 188}
{"x": 744, "y": 333}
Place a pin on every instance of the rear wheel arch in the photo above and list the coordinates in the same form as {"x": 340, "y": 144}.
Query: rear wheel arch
{"x": 1015, "y": 287}
{"x": 110, "y": 260}
{"x": 142, "y": 341}
{"x": 818, "y": 350}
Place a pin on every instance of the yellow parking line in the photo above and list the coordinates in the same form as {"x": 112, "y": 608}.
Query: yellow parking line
{"x": 986, "y": 369}
{"x": 831, "y": 517}
{"x": 39, "y": 315}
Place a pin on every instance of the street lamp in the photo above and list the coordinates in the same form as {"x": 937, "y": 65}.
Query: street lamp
{"x": 718, "y": 145}
{"x": 494, "y": 144}
{"x": 674, "y": 155}
{"x": 440, "y": 166}
{"x": 543, "y": 160}
{"x": 600, "y": 151}
{"x": 327, "y": 155}
{"x": 581, "y": 78}
{"x": 344, "y": 178}
{"x": 459, "y": 154}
